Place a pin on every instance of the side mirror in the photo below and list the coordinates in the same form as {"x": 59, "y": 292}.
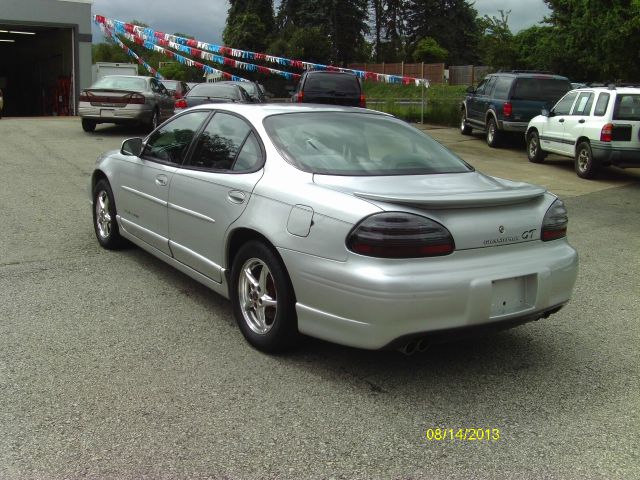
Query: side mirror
{"x": 471, "y": 89}
{"x": 132, "y": 147}
{"x": 545, "y": 112}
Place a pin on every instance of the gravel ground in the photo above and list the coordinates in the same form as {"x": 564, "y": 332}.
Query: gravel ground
{"x": 113, "y": 365}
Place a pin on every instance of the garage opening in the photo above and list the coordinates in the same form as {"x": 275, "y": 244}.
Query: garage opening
{"x": 37, "y": 70}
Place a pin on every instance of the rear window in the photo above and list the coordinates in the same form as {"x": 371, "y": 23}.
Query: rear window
{"x": 359, "y": 144}
{"x": 122, "y": 83}
{"x": 170, "y": 84}
{"x": 327, "y": 82}
{"x": 540, "y": 89}
{"x": 627, "y": 107}
{"x": 214, "y": 91}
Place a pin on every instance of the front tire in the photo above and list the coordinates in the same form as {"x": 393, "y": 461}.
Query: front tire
{"x": 585, "y": 165}
{"x": 493, "y": 134}
{"x": 88, "y": 125}
{"x": 465, "y": 128}
{"x": 263, "y": 299}
{"x": 104, "y": 217}
{"x": 535, "y": 154}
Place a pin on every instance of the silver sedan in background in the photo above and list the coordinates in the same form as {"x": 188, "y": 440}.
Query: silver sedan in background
{"x": 124, "y": 99}
{"x": 339, "y": 223}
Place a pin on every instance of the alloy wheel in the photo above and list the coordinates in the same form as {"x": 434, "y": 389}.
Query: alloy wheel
{"x": 103, "y": 217}
{"x": 257, "y": 296}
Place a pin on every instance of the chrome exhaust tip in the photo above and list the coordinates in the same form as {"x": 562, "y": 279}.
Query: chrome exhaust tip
{"x": 409, "y": 348}
{"x": 423, "y": 345}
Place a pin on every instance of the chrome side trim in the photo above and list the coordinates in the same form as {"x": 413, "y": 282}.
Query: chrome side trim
{"x": 147, "y": 236}
{"x": 146, "y": 196}
{"x": 191, "y": 212}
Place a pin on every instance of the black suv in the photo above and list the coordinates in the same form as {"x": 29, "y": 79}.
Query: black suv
{"x": 335, "y": 88}
{"x": 506, "y": 101}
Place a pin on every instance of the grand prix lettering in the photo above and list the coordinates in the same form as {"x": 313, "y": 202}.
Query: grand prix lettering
{"x": 526, "y": 235}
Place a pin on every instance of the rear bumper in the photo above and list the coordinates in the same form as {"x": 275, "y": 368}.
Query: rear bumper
{"x": 374, "y": 305}
{"x": 128, "y": 114}
{"x": 607, "y": 154}
{"x": 514, "y": 126}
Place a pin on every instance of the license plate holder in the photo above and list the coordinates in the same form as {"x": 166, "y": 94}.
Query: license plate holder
{"x": 107, "y": 113}
{"x": 511, "y": 295}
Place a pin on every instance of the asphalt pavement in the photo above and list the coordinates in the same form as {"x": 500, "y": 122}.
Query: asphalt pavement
{"x": 114, "y": 365}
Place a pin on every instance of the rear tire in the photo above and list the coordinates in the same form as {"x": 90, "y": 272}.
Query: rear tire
{"x": 493, "y": 134}
{"x": 263, "y": 299}
{"x": 465, "y": 128}
{"x": 88, "y": 125}
{"x": 585, "y": 165}
{"x": 535, "y": 154}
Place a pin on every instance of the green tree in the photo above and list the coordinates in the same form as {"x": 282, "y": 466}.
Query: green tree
{"x": 599, "y": 38}
{"x": 497, "y": 46}
{"x": 250, "y": 24}
{"x": 452, "y": 23}
{"x": 429, "y": 51}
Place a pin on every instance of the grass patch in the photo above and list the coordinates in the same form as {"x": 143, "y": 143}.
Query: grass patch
{"x": 442, "y": 102}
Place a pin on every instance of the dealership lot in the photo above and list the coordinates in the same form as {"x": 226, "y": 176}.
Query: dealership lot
{"x": 112, "y": 364}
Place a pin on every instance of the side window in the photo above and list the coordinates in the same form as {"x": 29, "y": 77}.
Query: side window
{"x": 219, "y": 143}
{"x": 481, "y": 87}
{"x": 563, "y": 107}
{"x": 155, "y": 86}
{"x": 583, "y": 105}
{"x": 490, "y": 84}
{"x": 250, "y": 155}
{"x": 601, "y": 105}
{"x": 170, "y": 143}
{"x": 503, "y": 85}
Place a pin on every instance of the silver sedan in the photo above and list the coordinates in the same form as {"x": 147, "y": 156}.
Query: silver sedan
{"x": 124, "y": 99}
{"x": 338, "y": 223}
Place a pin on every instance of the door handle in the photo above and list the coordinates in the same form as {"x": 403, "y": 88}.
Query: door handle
{"x": 161, "y": 180}
{"x": 581, "y": 121}
{"x": 561, "y": 120}
{"x": 236, "y": 196}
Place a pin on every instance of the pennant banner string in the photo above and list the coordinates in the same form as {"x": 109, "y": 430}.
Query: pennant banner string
{"x": 130, "y": 52}
{"x": 187, "y": 42}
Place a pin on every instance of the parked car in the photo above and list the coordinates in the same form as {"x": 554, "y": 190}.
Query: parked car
{"x": 336, "y": 88}
{"x": 1, "y": 103}
{"x": 252, "y": 88}
{"x": 176, "y": 88}
{"x": 506, "y": 101}
{"x": 123, "y": 99}
{"x": 597, "y": 127}
{"x": 339, "y": 223}
{"x": 192, "y": 84}
{"x": 218, "y": 92}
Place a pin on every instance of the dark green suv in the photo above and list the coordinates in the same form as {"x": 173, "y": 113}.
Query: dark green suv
{"x": 506, "y": 101}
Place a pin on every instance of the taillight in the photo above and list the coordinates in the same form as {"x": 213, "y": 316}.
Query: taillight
{"x": 363, "y": 101}
{"x": 400, "y": 235}
{"x": 84, "y": 96}
{"x": 606, "y": 134}
{"x": 555, "y": 222}
{"x": 182, "y": 103}
{"x": 299, "y": 97}
{"x": 135, "y": 98}
{"x": 507, "y": 109}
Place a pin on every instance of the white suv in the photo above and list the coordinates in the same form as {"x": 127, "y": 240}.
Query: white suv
{"x": 596, "y": 126}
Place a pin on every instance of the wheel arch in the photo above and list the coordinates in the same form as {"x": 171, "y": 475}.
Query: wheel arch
{"x": 579, "y": 140}
{"x": 491, "y": 113}
{"x": 96, "y": 176}
{"x": 239, "y": 237}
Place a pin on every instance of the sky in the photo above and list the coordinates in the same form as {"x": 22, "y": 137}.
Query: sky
{"x": 205, "y": 19}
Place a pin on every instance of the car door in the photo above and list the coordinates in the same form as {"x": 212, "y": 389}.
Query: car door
{"x": 144, "y": 181}
{"x": 211, "y": 191}
{"x": 479, "y": 101}
{"x": 552, "y": 131}
{"x": 574, "y": 123}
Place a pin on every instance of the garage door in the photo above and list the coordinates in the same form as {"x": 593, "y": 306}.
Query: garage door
{"x": 37, "y": 69}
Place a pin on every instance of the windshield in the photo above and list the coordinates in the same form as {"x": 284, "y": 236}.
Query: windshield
{"x": 541, "y": 89}
{"x": 215, "y": 91}
{"x": 345, "y": 143}
{"x": 627, "y": 107}
{"x": 122, "y": 83}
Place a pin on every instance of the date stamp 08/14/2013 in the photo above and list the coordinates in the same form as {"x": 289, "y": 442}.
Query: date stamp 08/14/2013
{"x": 438, "y": 434}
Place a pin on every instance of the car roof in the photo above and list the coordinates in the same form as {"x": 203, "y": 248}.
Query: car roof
{"x": 128, "y": 76}
{"x": 530, "y": 75}
{"x": 608, "y": 89}
{"x": 330, "y": 72}
{"x": 258, "y": 111}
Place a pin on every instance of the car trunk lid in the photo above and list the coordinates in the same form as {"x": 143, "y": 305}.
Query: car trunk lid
{"x": 479, "y": 211}
{"x": 100, "y": 97}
